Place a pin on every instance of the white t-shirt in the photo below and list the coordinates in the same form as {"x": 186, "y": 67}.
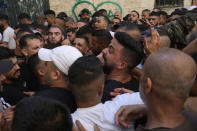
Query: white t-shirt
{"x": 103, "y": 115}
{"x": 8, "y": 37}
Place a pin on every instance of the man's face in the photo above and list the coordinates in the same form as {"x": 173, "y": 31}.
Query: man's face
{"x": 154, "y": 20}
{"x": 114, "y": 22}
{"x": 145, "y": 15}
{"x": 80, "y": 44}
{"x": 100, "y": 23}
{"x": 134, "y": 17}
{"x": 33, "y": 46}
{"x": 48, "y": 75}
{"x": 55, "y": 36}
{"x": 85, "y": 16}
{"x": 14, "y": 73}
{"x": 112, "y": 56}
{"x": 163, "y": 20}
{"x": 50, "y": 19}
{"x": 71, "y": 36}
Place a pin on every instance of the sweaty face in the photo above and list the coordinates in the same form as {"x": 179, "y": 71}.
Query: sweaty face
{"x": 134, "y": 17}
{"x": 112, "y": 56}
{"x": 55, "y": 36}
{"x": 154, "y": 20}
{"x": 33, "y": 46}
{"x": 81, "y": 45}
{"x": 14, "y": 73}
{"x": 100, "y": 23}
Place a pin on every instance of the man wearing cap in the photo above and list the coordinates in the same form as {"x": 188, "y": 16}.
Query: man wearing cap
{"x": 5, "y": 66}
{"x": 56, "y": 63}
{"x": 85, "y": 15}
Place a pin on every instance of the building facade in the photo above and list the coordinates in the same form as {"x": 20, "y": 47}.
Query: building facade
{"x": 73, "y": 7}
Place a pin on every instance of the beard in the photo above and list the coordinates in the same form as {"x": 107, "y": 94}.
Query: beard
{"x": 53, "y": 45}
{"x": 107, "y": 69}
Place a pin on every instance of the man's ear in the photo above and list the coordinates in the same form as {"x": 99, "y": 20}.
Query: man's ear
{"x": 40, "y": 72}
{"x": 56, "y": 75}
{"x": 148, "y": 85}
{"x": 24, "y": 52}
{"x": 122, "y": 65}
{"x": 100, "y": 90}
{"x": 62, "y": 37}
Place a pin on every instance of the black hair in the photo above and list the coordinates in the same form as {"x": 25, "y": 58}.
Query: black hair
{"x": 23, "y": 40}
{"x": 22, "y": 31}
{"x": 6, "y": 53}
{"x": 33, "y": 63}
{"x": 41, "y": 114}
{"x": 102, "y": 11}
{"x": 4, "y": 17}
{"x": 161, "y": 32}
{"x": 127, "y": 26}
{"x": 163, "y": 13}
{"x": 106, "y": 19}
{"x": 69, "y": 19}
{"x": 73, "y": 30}
{"x": 24, "y": 16}
{"x": 157, "y": 8}
{"x": 85, "y": 70}
{"x": 136, "y": 13}
{"x": 126, "y": 18}
{"x": 155, "y": 14}
{"x": 49, "y": 12}
{"x": 62, "y": 15}
{"x": 23, "y": 26}
{"x": 83, "y": 37}
{"x": 84, "y": 30}
{"x": 133, "y": 50}
{"x": 57, "y": 26}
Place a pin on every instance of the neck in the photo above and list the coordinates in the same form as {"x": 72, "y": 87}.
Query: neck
{"x": 121, "y": 76}
{"x": 60, "y": 84}
{"x": 6, "y": 26}
{"x": 85, "y": 104}
{"x": 165, "y": 115}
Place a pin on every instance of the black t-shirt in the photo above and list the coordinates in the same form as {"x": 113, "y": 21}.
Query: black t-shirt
{"x": 28, "y": 76}
{"x": 60, "y": 94}
{"x": 13, "y": 93}
{"x": 190, "y": 124}
{"x": 110, "y": 85}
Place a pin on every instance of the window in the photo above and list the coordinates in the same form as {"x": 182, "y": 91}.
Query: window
{"x": 169, "y": 3}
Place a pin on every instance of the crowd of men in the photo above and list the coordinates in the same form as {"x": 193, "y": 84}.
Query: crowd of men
{"x": 99, "y": 73}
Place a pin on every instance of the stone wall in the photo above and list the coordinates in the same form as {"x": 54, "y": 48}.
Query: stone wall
{"x": 111, "y": 5}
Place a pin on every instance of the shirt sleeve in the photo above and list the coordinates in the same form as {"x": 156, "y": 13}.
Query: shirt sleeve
{"x": 6, "y": 36}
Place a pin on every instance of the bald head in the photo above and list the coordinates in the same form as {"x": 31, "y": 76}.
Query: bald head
{"x": 172, "y": 73}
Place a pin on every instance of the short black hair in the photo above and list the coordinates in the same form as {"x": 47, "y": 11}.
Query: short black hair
{"x": 73, "y": 30}
{"x": 4, "y": 17}
{"x": 155, "y": 14}
{"x": 49, "y": 12}
{"x": 22, "y": 31}
{"x": 84, "y": 38}
{"x": 132, "y": 51}
{"x": 84, "y": 30}
{"x": 127, "y": 26}
{"x": 41, "y": 114}
{"x": 62, "y": 15}
{"x": 126, "y": 18}
{"x": 85, "y": 70}
{"x": 24, "y": 16}
{"x": 157, "y": 8}
{"x": 57, "y": 26}
{"x": 6, "y": 53}
{"x": 23, "y": 40}
{"x": 106, "y": 19}
{"x": 33, "y": 63}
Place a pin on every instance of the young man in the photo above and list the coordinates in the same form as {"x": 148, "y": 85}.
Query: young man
{"x": 50, "y": 17}
{"x": 86, "y": 79}
{"x": 5, "y": 66}
{"x": 53, "y": 71}
{"x": 123, "y": 54}
{"x": 13, "y": 86}
{"x": 82, "y": 44}
{"x": 85, "y": 15}
{"x": 55, "y": 37}
{"x": 8, "y": 32}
